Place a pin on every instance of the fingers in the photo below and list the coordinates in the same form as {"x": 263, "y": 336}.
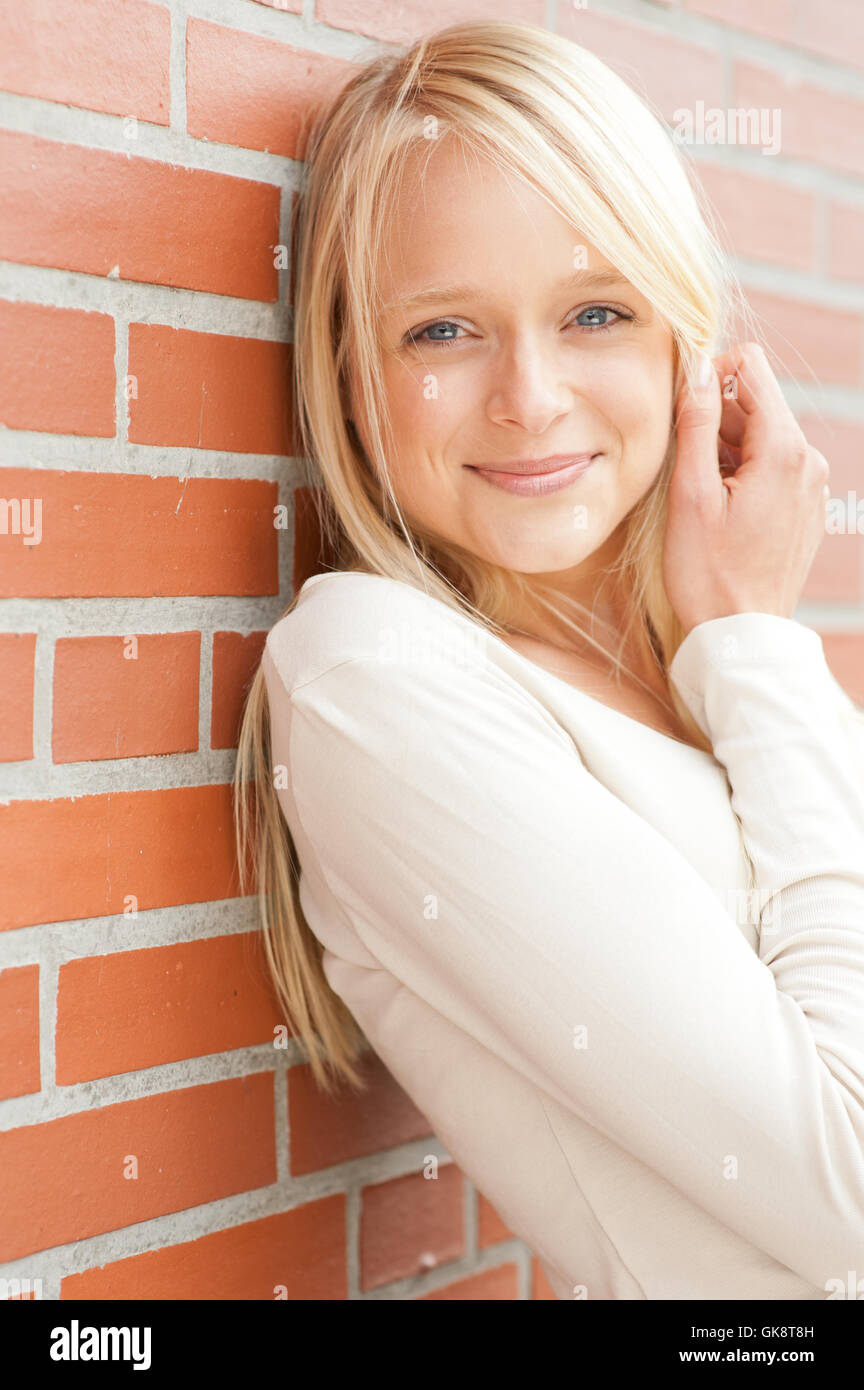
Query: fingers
{"x": 730, "y": 459}
{"x": 736, "y": 421}
{"x": 757, "y": 422}
{"x": 749, "y": 388}
{"x": 733, "y": 419}
{"x": 757, "y": 386}
{"x": 697, "y": 421}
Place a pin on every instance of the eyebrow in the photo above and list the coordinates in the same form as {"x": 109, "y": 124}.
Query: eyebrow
{"x": 580, "y": 279}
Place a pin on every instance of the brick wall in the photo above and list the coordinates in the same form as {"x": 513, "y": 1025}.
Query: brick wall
{"x": 155, "y": 1142}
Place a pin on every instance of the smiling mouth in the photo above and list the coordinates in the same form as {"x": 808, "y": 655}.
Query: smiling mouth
{"x": 533, "y": 467}
{"x": 536, "y": 483}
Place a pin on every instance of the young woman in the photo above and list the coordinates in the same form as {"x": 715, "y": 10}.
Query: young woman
{"x": 557, "y": 806}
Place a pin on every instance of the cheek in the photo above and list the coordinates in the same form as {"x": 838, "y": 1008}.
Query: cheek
{"x": 640, "y": 409}
{"x": 426, "y": 411}
{"x": 416, "y": 407}
{"x": 410, "y": 419}
{"x": 416, "y": 419}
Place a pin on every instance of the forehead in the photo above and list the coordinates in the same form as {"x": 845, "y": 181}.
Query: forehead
{"x": 460, "y": 222}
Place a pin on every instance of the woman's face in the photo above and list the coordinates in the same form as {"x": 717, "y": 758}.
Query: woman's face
{"x": 509, "y": 357}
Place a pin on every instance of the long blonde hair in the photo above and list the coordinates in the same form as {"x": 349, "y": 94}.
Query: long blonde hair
{"x": 553, "y": 113}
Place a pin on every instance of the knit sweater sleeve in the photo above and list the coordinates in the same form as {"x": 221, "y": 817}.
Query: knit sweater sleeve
{"x": 488, "y": 871}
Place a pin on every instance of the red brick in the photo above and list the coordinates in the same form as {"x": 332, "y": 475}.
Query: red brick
{"x": 809, "y": 338}
{"x": 845, "y": 239}
{"x": 114, "y": 852}
{"x": 669, "y": 72}
{"x": 105, "y": 55}
{"x": 761, "y": 219}
{"x": 408, "y": 20}
{"x": 128, "y": 535}
{"x": 56, "y": 370}
{"x": 409, "y": 1225}
{"x": 19, "y": 1031}
{"x": 817, "y": 124}
{"x": 490, "y": 1285}
{"x": 242, "y": 89}
{"x": 135, "y": 1009}
{"x": 490, "y": 1227}
{"x": 844, "y": 652}
{"x": 70, "y": 1178}
{"x": 137, "y": 219}
{"x": 235, "y": 661}
{"x": 832, "y": 29}
{"x": 836, "y": 573}
{"x": 310, "y": 548}
{"x": 325, "y": 1131}
{"x": 835, "y": 576}
{"x": 209, "y": 390}
{"x": 842, "y": 443}
{"x": 770, "y": 19}
{"x": 125, "y": 697}
{"x": 17, "y": 662}
{"x": 541, "y": 1289}
{"x": 295, "y": 1255}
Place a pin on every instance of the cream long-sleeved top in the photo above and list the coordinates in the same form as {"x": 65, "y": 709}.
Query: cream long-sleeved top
{"x": 622, "y": 977}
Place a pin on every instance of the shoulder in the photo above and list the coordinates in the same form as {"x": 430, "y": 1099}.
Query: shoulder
{"x": 350, "y": 616}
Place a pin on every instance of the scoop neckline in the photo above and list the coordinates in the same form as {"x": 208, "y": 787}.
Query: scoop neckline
{"x": 533, "y": 665}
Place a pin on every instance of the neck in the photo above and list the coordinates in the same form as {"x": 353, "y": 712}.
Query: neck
{"x": 597, "y": 588}
{"x": 604, "y": 611}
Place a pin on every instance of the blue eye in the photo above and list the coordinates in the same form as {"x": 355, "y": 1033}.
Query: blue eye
{"x": 418, "y": 335}
{"x": 599, "y": 309}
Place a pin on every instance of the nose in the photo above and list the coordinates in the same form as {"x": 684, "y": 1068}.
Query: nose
{"x": 528, "y": 389}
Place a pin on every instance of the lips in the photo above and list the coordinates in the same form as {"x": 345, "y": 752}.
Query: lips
{"x": 532, "y": 466}
{"x": 535, "y": 477}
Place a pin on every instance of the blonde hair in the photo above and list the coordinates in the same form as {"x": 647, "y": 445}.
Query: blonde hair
{"x": 551, "y": 112}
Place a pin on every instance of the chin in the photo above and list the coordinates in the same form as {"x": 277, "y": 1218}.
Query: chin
{"x": 534, "y": 558}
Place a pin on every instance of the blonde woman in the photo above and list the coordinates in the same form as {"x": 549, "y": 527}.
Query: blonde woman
{"x": 556, "y": 805}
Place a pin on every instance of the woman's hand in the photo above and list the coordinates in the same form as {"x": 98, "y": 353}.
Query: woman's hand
{"x": 746, "y": 506}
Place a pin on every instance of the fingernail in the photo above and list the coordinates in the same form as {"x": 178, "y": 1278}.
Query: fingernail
{"x": 704, "y": 370}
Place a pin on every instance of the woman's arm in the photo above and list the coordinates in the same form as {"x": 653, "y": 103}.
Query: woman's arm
{"x": 792, "y": 744}
{"x": 493, "y": 875}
